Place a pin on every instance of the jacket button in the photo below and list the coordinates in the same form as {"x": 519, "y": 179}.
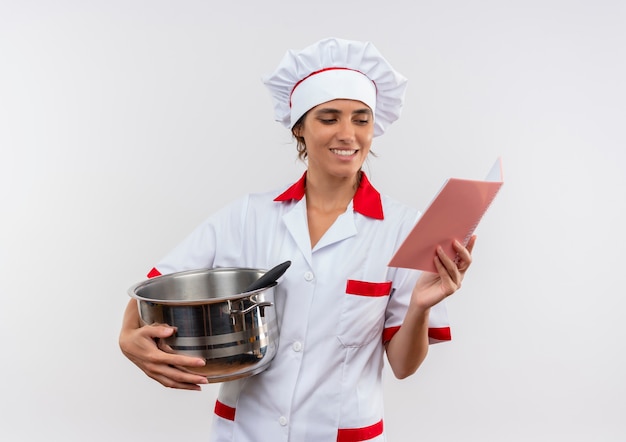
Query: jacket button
{"x": 308, "y": 276}
{"x": 297, "y": 346}
{"x": 282, "y": 420}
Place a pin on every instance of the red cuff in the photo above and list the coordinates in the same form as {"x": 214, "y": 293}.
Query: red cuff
{"x": 224, "y": 411}
{"x": 437, "y": 334}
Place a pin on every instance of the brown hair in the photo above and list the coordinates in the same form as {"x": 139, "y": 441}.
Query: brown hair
{"x": 300, "y": 144}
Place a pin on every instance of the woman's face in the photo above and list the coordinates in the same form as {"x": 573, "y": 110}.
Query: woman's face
{"x": 338, "y": 136}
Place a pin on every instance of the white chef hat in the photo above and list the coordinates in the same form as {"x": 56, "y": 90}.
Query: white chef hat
{"x": 331, "y": 69}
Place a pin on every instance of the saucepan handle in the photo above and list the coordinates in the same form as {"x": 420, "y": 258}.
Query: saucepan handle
{"x": 255, "y": 304}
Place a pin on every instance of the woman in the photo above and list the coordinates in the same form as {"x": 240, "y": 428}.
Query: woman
{"x": 339, "y": 306}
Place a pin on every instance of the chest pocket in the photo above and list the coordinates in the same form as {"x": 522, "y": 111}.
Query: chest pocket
{"x": 363, "y": 312}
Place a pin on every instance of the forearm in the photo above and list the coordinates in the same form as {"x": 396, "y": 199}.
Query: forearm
{"x": 409, "y": 346}
{"x": 131, "y": 319}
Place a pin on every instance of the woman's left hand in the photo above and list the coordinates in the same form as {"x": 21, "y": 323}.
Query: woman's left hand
{"x": 432, "y": 288}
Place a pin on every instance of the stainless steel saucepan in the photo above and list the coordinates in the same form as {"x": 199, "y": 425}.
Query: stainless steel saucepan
{"x": 216, "y": 316}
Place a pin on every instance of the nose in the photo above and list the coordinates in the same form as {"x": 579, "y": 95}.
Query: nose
{"x": 345, "y": 131}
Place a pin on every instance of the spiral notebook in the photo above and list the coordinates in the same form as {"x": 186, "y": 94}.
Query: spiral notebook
{"x": 454, "y": 213}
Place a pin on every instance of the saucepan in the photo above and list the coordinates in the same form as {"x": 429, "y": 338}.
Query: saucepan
{"x": 224, "y": 315}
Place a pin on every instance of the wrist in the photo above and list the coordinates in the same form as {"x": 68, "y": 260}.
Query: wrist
{"x": 418, "y": 313}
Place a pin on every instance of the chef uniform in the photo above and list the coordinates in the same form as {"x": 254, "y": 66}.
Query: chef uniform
{"x": 339, "y": 302}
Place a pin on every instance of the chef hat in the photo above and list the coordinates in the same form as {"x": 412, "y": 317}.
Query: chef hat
{"x": 331, "y": 69}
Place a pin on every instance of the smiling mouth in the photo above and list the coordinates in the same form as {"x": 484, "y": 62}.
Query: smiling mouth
{"x": 344, "y": 152}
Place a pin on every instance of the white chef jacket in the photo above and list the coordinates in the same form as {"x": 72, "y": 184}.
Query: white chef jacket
{"x": 336, "y": 306}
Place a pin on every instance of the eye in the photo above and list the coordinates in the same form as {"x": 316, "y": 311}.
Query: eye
{"x": 362, "y": 121}
{"x": 328, "y": 120}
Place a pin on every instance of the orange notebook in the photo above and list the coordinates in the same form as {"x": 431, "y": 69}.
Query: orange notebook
{"x": 453, "y": 214}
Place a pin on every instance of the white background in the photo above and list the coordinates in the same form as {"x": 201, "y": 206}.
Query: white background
{"x": 123, "y": 124}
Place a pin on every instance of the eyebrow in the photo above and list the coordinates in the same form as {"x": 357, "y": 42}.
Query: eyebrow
{"x": 330, "y": 110}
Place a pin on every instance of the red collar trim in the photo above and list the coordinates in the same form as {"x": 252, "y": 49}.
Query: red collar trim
{"x": 366, "y": 200}
{"x": 295, "y": 192}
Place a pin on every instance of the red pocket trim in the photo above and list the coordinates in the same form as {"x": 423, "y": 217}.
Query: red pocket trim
{"x": 224, "y": 411}
{"x": 360, "y": 434}
{"x": 364, "y": 288}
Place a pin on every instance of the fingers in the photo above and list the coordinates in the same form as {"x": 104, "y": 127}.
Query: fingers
{"x": 470, "y": 243}
{"x": 157, "y": 331}
{"x": 431, "y": 288}
{"x": 141, "y": 348}
{"x": 464, "y": 254}
{"x": 174, "y": 377}
{"x": 448, "y": 263}
{"x": 448, "y": 272}
{"x": 159, "y": 353}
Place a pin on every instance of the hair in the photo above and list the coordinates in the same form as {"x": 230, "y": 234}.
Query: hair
{"x": 300, "y": 144}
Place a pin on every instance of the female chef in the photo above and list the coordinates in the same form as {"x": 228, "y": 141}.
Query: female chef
{"x": 339, "y": 306}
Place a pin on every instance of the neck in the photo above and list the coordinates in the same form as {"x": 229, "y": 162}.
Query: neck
{"x": 330, "y": 193}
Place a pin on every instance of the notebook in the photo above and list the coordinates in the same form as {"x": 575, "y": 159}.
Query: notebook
{"x": 454, "y": 213}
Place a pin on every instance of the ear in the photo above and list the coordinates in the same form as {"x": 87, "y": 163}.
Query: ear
{"x": 297, "y": 130}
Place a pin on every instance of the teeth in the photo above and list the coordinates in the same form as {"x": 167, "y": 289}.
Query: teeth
{"x": 344, "y": 152}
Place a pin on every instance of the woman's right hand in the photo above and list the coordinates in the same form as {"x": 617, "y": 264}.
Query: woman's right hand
{"x": 139, "y": 345}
